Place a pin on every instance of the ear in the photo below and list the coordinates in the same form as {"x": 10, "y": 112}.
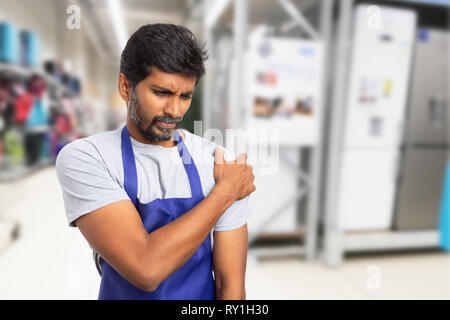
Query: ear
{"x": 124, "y": 88}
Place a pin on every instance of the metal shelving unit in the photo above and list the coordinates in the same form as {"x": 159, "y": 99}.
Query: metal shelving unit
{"x": 17, "y": 172}
{"x": 335, "y": 241}
{"x": 27, "y": 71}
{"x": 234, "y": 19}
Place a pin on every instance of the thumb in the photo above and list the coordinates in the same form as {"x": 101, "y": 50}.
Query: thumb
{"x": 241, "y": 158}
{"x": 218, "y": 156}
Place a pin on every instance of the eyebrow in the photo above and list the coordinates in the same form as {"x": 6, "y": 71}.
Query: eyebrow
{"x": 168, "y": 90}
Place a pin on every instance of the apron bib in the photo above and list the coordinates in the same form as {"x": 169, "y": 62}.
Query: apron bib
{"x": 194, "y": 280}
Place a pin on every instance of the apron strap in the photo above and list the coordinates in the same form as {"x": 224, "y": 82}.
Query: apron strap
{"x": 129, "y": 167}
{"x": 189, "y": 165}
{"x": 130, "y": 173}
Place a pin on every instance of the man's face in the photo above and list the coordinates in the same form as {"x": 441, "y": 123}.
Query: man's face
{"x": 158, "y": 103}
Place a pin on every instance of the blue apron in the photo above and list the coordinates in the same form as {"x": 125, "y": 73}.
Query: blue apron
{"x": 194, "y": 279}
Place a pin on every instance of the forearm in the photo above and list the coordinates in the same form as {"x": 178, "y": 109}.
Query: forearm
{"x": 231, "y": 291}
{"x": 170, "y": 247}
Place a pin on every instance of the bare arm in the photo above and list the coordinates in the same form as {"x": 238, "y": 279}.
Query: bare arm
{"x": 229, "y": 262}
{"x": 146, "y": 259}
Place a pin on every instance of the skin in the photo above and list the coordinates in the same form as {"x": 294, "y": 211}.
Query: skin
{"x": 146, "y": 259}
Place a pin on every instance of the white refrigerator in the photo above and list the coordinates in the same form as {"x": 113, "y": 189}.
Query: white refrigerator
{"x": 382, "y": 47}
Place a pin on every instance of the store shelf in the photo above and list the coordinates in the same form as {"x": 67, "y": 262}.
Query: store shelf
{"x": 262, "y": 12}
{"x": 390, "y": 240}
{"x": 15, "y": 172}
{"x": 278, "y": 251}
{"x": 19, "y": 70}
{"x": 232, "y": 22}
{"x": 27, "y": 72}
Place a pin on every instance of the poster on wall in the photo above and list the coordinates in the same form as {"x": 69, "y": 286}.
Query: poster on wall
{"x": 284, "y": 83}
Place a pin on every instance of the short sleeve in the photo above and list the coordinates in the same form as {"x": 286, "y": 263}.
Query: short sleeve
{"x": 238, "y": 213}
{"x": 235, "y": 216}
{"x": 85, "y": 180}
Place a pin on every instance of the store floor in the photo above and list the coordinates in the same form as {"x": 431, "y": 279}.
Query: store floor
{"x": 52, "y": 261}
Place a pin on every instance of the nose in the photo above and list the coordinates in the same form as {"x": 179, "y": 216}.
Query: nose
{"x": 173, "y": 108}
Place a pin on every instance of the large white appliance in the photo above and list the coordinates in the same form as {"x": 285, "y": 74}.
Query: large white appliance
{"x": 379, "y": 76}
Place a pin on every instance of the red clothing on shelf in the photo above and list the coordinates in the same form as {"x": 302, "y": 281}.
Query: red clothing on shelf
{"x": 22, "y": 106}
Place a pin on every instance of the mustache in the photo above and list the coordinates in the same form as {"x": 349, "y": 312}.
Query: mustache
{"x": 167, "y": 119}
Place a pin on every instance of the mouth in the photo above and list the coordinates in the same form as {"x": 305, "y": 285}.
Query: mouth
{"x": 166, "y": 125}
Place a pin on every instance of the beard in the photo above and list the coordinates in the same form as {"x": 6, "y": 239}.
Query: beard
{"x": 151, "y": 131}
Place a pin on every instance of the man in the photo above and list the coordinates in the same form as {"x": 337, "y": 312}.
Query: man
{"x": 148, "y": 203}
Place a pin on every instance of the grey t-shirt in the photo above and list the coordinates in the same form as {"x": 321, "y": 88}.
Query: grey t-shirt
{"x": 91, "y": 174}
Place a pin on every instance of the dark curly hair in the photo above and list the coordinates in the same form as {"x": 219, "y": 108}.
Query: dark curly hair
{"x": 171, "y": 48}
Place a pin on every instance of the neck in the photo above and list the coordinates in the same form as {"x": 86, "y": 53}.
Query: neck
{"x": 136, "y": 134}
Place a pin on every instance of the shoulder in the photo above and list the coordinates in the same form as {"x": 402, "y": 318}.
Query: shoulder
{"x": 88, "y": 144}
{"x": 105, "y": 139}
{"x": 205, "y": 147}
{"x": 87, "y": 150}
{"x": 195, "y": 140}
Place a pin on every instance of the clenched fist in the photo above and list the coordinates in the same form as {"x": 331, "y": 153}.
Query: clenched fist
{"x": 234, "y": 178}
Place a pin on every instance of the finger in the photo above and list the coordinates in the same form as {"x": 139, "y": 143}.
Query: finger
{"x": 218, "y": 156}
{"x": 241, "y": 158}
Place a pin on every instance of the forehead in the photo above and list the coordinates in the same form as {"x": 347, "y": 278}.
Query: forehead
{"x": 172, "y": 81}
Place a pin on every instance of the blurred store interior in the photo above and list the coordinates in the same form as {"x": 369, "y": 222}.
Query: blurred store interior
{"x": 353, "y": 195}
